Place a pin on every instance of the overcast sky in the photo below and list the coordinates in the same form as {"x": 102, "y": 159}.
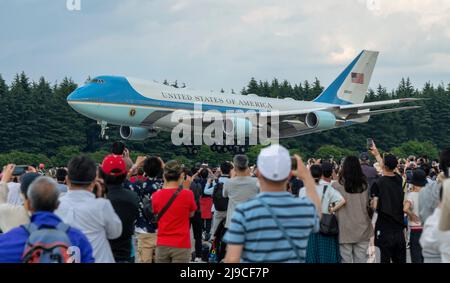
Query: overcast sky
{"x": 210, "y": 44}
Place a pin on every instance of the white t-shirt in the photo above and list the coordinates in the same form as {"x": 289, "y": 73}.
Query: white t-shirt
{"x": 14, "y": 194}
{"x": 413, "y": 199}
{"x": 331, "y": 195}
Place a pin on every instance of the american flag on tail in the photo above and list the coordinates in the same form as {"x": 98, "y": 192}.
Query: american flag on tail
{"x": 357, "y": 78}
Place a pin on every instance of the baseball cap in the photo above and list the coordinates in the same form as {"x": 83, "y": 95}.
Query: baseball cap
{"x": 274, "y": 163}
{"x": 114, "y": 165}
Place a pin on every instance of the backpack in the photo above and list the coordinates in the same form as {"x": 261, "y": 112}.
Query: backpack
{"x": 148, "y": 207}
{"x": 220, "y": 202}
{"x": 218, "y": 246}
{"x": 197, "y": 189}
{"x": 47, "y": 244}
{"x": 328, "y": 222}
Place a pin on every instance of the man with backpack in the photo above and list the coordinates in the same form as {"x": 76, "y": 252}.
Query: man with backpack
{"x": 62, "y": 243}
{"x": 216, "y": 190}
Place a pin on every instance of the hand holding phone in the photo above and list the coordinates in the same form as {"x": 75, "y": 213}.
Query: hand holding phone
{"x": 8, "y": 172}
{"x": 20, "y": 170}
{"x": 370, "y": 143}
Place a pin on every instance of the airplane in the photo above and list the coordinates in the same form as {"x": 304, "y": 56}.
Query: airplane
{"x": 142, "y": 109}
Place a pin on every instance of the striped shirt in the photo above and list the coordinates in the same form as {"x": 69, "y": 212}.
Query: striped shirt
{"x": 253, "y": 227}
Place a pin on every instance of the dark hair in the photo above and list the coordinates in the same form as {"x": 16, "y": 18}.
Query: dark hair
{"x": 444, "y": 161}
{"x": 81, "y": 170}
{"x": 352, "y": 176}
{"x": 152, "y": 167}
{"x": 426, "y": 168}
{"x": 390, "y": 162}
{"x": 316, "y": 172}
{"x": 226, "y": 167}
{"x": 118, "y": 148}
{"x": 327, "y": 169}
{"x": 61, "y": 174}
{"x": 203, "y": 173}
{"x": 172, "y": 170}
{"x": 113, "y": 180}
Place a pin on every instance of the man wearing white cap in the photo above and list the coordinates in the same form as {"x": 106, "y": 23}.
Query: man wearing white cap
{"x": 274, "y": 226}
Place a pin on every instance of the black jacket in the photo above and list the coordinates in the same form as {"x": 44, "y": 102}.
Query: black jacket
{"x": 125, "y": 203}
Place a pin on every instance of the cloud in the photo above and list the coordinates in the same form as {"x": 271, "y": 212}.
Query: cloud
{"x": 215, "y": 44}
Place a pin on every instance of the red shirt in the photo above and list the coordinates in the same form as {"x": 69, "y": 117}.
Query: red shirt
{"x": 174, "y": 226}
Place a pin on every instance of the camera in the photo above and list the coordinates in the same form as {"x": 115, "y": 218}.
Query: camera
{"x": 20, "y": 170}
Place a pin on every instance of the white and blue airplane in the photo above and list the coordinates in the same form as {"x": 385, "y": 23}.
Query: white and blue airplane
{"x": 142, "y": 109}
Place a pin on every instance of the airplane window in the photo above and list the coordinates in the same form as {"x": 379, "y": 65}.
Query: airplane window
{"x": 96, "y": 81}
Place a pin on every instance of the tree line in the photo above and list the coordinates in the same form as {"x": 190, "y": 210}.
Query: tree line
{"x": 38, "y": 124}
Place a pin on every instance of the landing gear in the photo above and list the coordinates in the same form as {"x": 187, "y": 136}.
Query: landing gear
{"x": 192, "y": 150}
{"x": 103, "y": 128}
{"x": 235, "y": 149}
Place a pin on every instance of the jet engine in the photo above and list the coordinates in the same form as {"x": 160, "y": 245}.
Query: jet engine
{"x": 239, "y": 127}
{"x": 320, "y": 120}
{"x": 136, "y": 133}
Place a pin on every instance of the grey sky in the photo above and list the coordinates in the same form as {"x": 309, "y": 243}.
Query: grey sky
{"x": 210, "y": 44}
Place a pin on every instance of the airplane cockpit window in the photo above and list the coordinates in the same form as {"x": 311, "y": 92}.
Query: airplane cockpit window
{"x": 96, "y": 81}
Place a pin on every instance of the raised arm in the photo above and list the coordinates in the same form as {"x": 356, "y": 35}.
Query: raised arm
{"x": 7, "y": 174}
{"x": 310, "y": 185}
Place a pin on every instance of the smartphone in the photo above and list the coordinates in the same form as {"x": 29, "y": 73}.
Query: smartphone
{"x": 369, "y": 143}
{"x": 293, "y": 163}
{"x": 20, "y": 170}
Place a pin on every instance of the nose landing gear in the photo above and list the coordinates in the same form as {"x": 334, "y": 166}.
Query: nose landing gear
{"x": 103, "y": 128}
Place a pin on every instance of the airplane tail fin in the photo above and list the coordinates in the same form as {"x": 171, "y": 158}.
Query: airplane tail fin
{"x": 352, "y": 84}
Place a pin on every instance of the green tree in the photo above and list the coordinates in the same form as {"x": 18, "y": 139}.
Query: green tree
{"x": 416, "y": 148}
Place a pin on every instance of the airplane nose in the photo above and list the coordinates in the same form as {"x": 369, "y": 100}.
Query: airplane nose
{"x": 72, "y": 96}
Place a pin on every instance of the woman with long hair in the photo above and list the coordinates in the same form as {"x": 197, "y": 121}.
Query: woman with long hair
{"x": 355, "y": 226}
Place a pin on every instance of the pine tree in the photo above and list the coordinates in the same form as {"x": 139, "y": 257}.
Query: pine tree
{"x": 252, "y": 87}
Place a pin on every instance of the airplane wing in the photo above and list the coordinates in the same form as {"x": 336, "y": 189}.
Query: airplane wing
{"x": 348, "y": 109}
{"x": 296, "y": 118}
{"x": 377, "y": 104}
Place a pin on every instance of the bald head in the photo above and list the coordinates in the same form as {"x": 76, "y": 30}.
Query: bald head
{"x": 43, "y": 194}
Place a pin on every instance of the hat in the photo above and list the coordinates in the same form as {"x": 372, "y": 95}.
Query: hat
{"x": 114, "y": 165}
{"x": 419, "y": 178}
{"x": 390, "y": 161}
{"x": 364, "y": 156}
{"x": 274, "y": 163}
{"x": 26, "y": 180}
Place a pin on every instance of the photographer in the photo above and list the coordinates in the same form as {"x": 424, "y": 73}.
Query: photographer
{"x": 206, "y": 177}
{"x": 12, "y": 215}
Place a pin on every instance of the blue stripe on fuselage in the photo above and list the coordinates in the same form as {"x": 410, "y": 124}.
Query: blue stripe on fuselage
{"x": 118, "y": 90}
